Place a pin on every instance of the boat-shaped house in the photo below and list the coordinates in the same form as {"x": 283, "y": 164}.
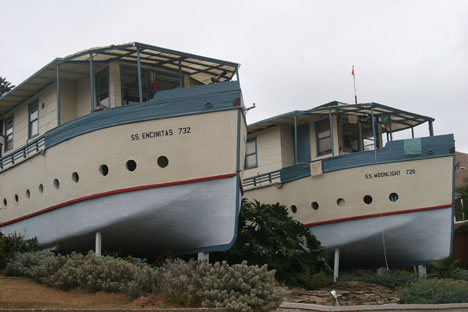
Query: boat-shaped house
{"x": 137, "y": 145}
{"x": 375, "y": 200}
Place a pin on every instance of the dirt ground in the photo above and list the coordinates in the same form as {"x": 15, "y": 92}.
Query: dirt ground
{"x": 21, "y": 293}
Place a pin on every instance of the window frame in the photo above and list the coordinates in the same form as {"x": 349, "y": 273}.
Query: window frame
{"x": 6, "y": 149}
{"x": 254, "y": 139}
{"x": 36, "y": 103}
{"x": 317, "y": 139}
{"x": 102, "y": 72}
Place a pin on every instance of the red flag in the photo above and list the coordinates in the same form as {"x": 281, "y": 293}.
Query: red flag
{"x": 352, "y": 72}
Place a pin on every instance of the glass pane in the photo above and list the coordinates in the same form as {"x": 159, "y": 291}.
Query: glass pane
{"x": 324, "y": 134}
{"x": 251, "y": 161}
{"x": 167, "y": 82}
{"x": 350, "y": 136}
{"x": 250, "y": 149}
{"x": 34, "y": 128}
{"x": 34, "y": 114}
{"x": 324, "y": 145}
{"x": 131, "y": 92}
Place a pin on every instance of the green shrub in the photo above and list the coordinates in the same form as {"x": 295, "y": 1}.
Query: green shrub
{"x": 90, "y": 273}
{"x": 445, "y": 268}
{"x": 268, "y": 235}
{"x": 391, "y": 279}
{"x": 238, "y": 287}
{"x": 461, "y": 275}
{"x": 435, "y": 291}
{"x": 316, "y": 280}
{"x": 12, "y": 244}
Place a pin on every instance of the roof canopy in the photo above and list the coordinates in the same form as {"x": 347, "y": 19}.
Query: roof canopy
{"x": 401, "y": 120}
{"x": 76, "y": 66}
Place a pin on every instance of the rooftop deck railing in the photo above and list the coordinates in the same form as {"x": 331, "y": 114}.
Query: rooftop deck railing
{"x": 261, "y": 178}
{"x": 23, "y": 152}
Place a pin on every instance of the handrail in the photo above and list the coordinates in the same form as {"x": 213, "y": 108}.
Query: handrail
{"x": 265, "y": 177}
{"x": 23, "y": 152}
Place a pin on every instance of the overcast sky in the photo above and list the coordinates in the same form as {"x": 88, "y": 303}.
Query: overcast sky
{"x": 412, "y": 55}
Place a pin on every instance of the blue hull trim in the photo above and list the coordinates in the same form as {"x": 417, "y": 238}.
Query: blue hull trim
{"x": 436, "y": 146}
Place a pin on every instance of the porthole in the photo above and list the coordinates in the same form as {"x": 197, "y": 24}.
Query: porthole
{"x": 293, "y": 208}
{"x": 28, "y": 193}
{"x": 41, "y": 188}
{"x": 163, "y": 161}
{"x": 393, "y": 197}
{"x": 56, "y": 183}
{"x": 367, "y": 199}
{"x": 16, "y": 198}
{"x": 340, "y": 202}
{"x": 5, "y": 202}
{"x": 104, "y": 170}
{"x": 314, "y": 205}
{"x": 75, "y": 177}
{"x": 131, "y": 165}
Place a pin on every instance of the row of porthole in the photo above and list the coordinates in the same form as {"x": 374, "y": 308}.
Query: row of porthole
{"x": 103, "y": 169}
{"x": 340, "y": 202}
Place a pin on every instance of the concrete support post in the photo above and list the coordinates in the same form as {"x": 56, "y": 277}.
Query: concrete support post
{"x": 422, "y": 271}
{"x": 204, "y": 256}
{"x": 98, "y": 244}
{"x": 336, "y": 265}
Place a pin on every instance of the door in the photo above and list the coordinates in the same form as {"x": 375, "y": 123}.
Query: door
{"x": 303, "y": 143}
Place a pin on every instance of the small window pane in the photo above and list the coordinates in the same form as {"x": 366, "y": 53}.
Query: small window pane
{"x": 325, "y": 145}
{"x": 251, "y": 161}
{"x": 250, "y": 147}
{"x": 34, "y": 128}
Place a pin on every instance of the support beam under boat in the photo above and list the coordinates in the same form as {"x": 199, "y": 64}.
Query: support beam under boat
{"x": 336, "y": 265}
{"x": 203, "y": 256}
{"x": 98, "y": 245}
{"x": 422, "y": 271}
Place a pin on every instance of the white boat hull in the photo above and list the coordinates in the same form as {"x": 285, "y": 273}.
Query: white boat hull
{"x": 148, "y": 220}
{"x": 415, "y": 228}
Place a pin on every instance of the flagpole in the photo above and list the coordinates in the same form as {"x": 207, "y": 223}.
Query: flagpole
{"x": 354, "y": 80}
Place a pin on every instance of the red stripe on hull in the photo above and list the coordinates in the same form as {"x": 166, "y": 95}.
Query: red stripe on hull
{"x": 378, "y": 215}
{"x": 130, "y": 189}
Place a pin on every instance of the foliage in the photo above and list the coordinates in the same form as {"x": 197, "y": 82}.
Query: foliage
{"x": 317, "y": 280}
{"x": 445, "y": 268}
{"x": 238, "y": 287}
{"x": 461, "y": 275}
{"x": 391, "y": 279}
{"x": 90, "y": 273}
{"x": 195, "y": 283}
{"x": 461, "y": 211}
{"x": 5, "y": 86}
{"x": 13, "y": 243}
{"x": 435, "y": 291}
{"x": 268, "y": 235}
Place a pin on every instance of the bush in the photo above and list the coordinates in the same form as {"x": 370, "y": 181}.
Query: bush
{"x": 461, "y": 275}
{"x": 316, "y": 281}
{"x": 268, "y": 235}
{"x": 238, "y": 287}
{"x": 90, "y": 273}
{"x": 445, "y": 268}
{"x": 435, "y": 291}
{"x": 391, "y": 279}
{"x": 12, "y": 244}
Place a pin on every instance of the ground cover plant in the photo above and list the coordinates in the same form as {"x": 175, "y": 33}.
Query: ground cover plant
{"x": 238, "y": 287}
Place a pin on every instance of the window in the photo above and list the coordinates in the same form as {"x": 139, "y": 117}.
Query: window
{"x": 251, "y": 154}
{"x": 130, "y": 91}
{"x": 9, "y": 133}
{"x": 102, "y": 87}
{"x": 350, "y": 130}
{"x": 33, "y": 119}
{"x": 149, "y": 79}
{"x": 322, "y": 130}
{"x": 368, "y": 136}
